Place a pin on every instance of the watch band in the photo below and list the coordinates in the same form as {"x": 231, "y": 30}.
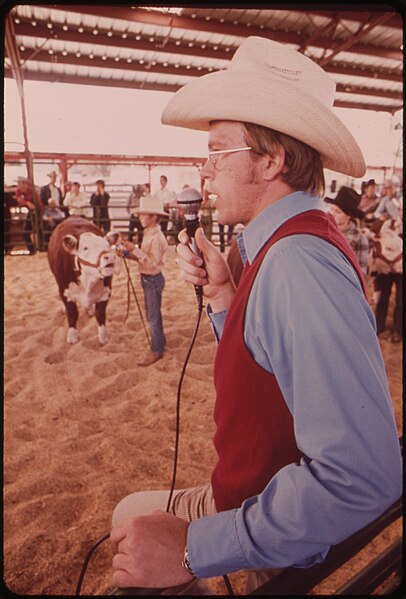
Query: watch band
{"x": 186, "y": 562}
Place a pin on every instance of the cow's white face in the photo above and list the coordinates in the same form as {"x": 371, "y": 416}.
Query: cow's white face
{"x": 94, "y": 253}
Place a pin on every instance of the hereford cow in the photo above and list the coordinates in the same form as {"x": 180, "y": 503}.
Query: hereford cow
{"x": 82, "y": 261}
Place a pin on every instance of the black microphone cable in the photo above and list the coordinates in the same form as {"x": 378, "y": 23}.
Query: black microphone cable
{"x": 87, "y": 559}
{"x": 177, "y": 426}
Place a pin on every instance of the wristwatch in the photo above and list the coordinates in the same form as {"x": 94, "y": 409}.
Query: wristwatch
{"x": 186, "y": 562}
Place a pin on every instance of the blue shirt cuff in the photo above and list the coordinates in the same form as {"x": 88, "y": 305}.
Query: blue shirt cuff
{"x": 217, "y": 320}
{"x": 214, "y": 547}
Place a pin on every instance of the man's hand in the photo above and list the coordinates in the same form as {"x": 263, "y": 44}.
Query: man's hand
{"x": 150, "y": 551}
{"x": 210, "y": 270}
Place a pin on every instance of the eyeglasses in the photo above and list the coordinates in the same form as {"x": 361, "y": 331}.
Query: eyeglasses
{"x": 214, "y": 156}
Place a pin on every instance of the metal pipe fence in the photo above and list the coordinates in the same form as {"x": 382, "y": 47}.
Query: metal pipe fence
{"x": 26, "y": 232}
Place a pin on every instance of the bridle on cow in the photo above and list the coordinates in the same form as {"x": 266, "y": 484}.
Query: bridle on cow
{"x": 79, "y": 261}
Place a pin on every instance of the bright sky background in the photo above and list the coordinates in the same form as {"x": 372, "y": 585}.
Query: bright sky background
{"x": 89, "y": 119}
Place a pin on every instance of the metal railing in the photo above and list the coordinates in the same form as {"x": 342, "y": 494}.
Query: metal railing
{"x": 25, "y": 231}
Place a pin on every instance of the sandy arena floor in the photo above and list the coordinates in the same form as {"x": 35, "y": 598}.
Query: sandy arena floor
{"x": 84, "y": 426}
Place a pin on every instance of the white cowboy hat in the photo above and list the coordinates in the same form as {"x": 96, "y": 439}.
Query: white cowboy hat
{"x": 52, "y": 173}
{"x": 151, "y": 205}
{"x": 269, "y": 84}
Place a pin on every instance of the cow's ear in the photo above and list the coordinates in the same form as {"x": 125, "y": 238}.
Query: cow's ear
{"x": 70, "y": 244}
{"x": 112, "y": 237}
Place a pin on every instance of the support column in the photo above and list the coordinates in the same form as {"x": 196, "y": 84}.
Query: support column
{"x": 13, "y": 56}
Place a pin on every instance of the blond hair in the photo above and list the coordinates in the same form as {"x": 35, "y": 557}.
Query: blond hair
{"x": 304, "y": 169}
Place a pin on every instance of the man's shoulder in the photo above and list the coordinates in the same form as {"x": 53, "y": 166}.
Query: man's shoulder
{"x": 293, "y": 250}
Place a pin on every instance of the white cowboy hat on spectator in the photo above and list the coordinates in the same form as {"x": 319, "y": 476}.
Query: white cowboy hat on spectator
{"x": 269, "y": 84}
{"x": 51, "y": 173}
{"x": 151, "y": 205}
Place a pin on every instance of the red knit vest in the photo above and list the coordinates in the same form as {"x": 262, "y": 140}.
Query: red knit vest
{"x": 254, "y": 436}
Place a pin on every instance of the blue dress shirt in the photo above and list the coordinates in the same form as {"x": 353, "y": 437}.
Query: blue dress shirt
{"x": 308, "y": 322}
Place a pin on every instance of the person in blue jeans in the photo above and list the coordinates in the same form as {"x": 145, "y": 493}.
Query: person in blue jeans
{"x": 150, "y": 258}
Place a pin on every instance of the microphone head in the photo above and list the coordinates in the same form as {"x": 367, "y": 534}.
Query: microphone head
{"x": 190, "y": 200}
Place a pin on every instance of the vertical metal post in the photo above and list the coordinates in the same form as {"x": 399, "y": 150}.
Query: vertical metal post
{"x": 14, "y": 58}
{"x": 63, "y": 171}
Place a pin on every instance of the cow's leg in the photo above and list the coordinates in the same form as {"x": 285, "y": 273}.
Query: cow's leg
{"x": 72, "y": 314}
{"x": 100, "y": 312}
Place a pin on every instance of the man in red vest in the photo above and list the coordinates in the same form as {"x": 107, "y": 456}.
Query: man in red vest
{"x": 306, "y": 438}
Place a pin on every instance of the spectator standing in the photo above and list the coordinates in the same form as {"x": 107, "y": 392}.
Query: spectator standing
{"x": 307, "y": 445}
{"x": 99, "y": 202}
{"x": 51, "y": 217}
{"x": 27, "y": 199}
{"x": 150, "y": 258}
{"x": 388, "y": 206}
{"x": 369, "y": 199}
{"x": 385, "y": 281}
{"x": 133, "y": 204}
{"x": 51, "y": 190}
{"x": 346, "y": 214}
{"x": 76, "y": 201}
{"x": 147, "y": 190}
{"x": 167, "y": 198}
{"x": 9, "y": 201}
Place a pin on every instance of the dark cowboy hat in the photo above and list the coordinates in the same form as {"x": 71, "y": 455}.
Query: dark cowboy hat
{"x": 347, "y": 199}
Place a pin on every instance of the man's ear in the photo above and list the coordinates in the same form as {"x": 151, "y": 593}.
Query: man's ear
{"x": 70, "y": 244}
{"x": 275, "y": 164}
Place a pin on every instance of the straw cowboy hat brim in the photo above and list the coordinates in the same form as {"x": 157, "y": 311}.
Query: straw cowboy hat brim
{"x": 151, "y": 211}
{"x": 150, "y": 205}
{"x": 271, "y": 85}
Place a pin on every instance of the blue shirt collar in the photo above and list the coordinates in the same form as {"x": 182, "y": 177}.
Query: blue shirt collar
{"x": 258, "y": 231}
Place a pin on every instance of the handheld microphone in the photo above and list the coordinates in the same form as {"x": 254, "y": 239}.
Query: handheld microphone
{"x": 190, "y": 201}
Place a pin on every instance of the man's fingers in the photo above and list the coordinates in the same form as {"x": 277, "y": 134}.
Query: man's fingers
{"x": 120, "y": 561}
{"x": 183, "y": 237}
{"x": 194, "y": 275}
{"x": 204, "y": 244}
{"x": 187, "y": 257}
{"x": 119, "y": 532}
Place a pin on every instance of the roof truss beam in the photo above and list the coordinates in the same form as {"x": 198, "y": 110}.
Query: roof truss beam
{"x": 42, "y": 31}
{"x": 363, "y": 30}
{"x": 159, "y": 68}
{"x": 215, "y": 26}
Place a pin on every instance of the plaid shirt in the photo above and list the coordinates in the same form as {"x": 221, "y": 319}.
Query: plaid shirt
{"x": 359, "y": 243}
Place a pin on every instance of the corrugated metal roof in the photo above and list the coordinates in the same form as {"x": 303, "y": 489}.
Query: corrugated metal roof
{"x": 163, "y": 48}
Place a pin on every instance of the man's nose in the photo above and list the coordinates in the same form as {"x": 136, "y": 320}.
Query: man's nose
{"x": 207, "y": 170}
